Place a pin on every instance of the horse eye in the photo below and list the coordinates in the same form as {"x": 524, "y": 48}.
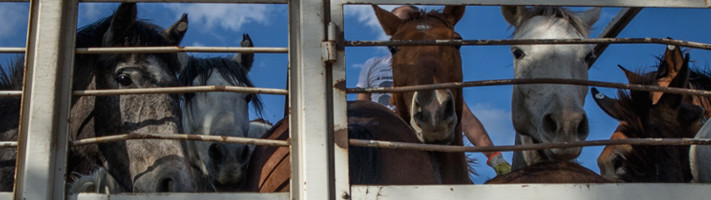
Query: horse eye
{"x": 518, "y": 53}
{"x": 589, "y": 58}
{"x": 393, "y": 49}
{"x": 124, "y": 79}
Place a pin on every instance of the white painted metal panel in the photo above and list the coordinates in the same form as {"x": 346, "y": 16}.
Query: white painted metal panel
{"x": 45, "y": 104}
{"x": 308, "y": 103}
{"x": 182, "y": 196}
{"x": 662, "y": 191}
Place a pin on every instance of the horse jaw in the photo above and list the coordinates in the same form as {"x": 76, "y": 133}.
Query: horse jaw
{"x": 433, "y": 116}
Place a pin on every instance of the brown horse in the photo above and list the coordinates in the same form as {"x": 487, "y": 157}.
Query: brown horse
{"x": 433, "y": 114}
{"x": 669, "y": 117}
{"x": 670, "y": 64}
{"x": 550, "y": 172}
{"x": 270, "y": 168}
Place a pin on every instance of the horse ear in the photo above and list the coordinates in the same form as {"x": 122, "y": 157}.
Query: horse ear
{"x": 453, "y": 13}
{"x": 681, "y": 80}
{"x": 631, "y": 76}
{"x": 609, "y": 105}
{"x": 123, "y": 18}
{"x": 672, "y": 62}
{"x": 245, "y": 59}
{"x": 590, "y": 16}
{"x": 514, "y": 14}
{"x": 183, "y": 58}
{"x": 387, "y": 20}
{"x": 174, "y": 34}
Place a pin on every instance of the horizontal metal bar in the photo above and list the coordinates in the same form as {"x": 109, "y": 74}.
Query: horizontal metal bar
{"x": 598, "y": 3}
{"x": 174, "y": 49}
{"x": 450, "y": 148}
{"x": 177, "y": 90}
{"x": 10, "y": 93}
{"x": 179, "y": 195}
{"x": 532, "y": 42}
{"x": 7, "y": 144}
{"x": 193, "y": 137}
{"x": 12, "y": 49}
{"x": 533, "y": 81}
{"x": 191, "y": 1}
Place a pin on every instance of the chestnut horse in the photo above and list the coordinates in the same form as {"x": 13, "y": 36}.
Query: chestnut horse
{"x": 550, "y": 172}
{"x": 668, "y": 68}
{"x": 433, "y": 114}
{"x": 669, "y": 117}
{"x": 270, "y": 167}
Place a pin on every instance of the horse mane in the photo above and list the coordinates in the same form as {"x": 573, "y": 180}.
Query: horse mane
{"x": 11, "y": 78}
{"x": 557, "y": 13}
{"x": 141, "y": 33}
{"x": 232, "y": 71}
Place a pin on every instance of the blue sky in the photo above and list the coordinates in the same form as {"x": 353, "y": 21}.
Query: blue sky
{"x": 223, "y": 25}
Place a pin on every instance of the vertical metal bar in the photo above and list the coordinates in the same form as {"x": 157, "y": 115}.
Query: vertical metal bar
{"x": 340, "y": 117}
{"x": 46, "y": 96}
{"x": 308, "y": 96}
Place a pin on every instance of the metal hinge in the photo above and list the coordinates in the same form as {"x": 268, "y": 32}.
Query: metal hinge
{"x": 328, "y": 47}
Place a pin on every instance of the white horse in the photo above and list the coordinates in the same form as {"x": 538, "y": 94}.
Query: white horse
{"x": 220, "y": 113}
{"x": 546, "y": 113}
{"x": 699, "y": 156}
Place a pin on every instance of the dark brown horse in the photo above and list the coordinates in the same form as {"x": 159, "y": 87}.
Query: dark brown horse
{"x": 670, "y": 117}
{"x": 433, "y": 114}
{"x": 550, "y": 172}
{"x": 669, "y": 66}
{"x": 270, "y": 168}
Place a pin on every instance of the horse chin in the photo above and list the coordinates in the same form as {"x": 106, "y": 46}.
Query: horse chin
{"x": 563, "y": 154}
{"x": 434, "y": 134}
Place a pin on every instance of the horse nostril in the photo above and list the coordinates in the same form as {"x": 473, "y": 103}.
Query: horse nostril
{"x": 215, "y": 152}
{"x": 549, "y": 124}
{"x": 244, "y": 156}
{"x": 583, "y": 127}
{"x": 165, "y": 185}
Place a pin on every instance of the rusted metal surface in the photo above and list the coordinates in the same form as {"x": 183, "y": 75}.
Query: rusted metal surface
{"x": 532, "y": 42}
{"x": 534, "y": 81}
{"x": 450, "y": 148}
{"x": 206, "y": 138}
{"x": 174, "y": 49}
{"x": 177, "y": 90}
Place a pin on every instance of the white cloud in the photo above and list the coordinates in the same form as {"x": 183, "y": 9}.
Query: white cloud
{"x": 226, "y": 16}
{"x": 14, "y": 23}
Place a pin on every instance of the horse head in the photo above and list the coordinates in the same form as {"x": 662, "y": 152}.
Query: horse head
{"x": 640, "y": 117}
{"x": 220, "y": 113}
{"x": 545, "y": 113}
{"x": 138, "y": 165}
{"x": 434, "y": 114}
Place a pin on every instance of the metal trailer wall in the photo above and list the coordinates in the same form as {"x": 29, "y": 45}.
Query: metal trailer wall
{"x": 316, "y": 105}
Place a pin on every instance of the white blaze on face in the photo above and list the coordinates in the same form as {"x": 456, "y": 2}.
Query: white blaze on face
{"x": 423, "y": 27}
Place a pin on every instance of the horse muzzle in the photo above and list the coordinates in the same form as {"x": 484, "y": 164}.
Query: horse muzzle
{"x": 433, "y": 116}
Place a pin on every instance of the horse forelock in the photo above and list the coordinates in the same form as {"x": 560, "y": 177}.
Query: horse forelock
{"x": 139, "y": 34}
{"x": 203, "y": 68}
{"x": 553, "y": 15}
